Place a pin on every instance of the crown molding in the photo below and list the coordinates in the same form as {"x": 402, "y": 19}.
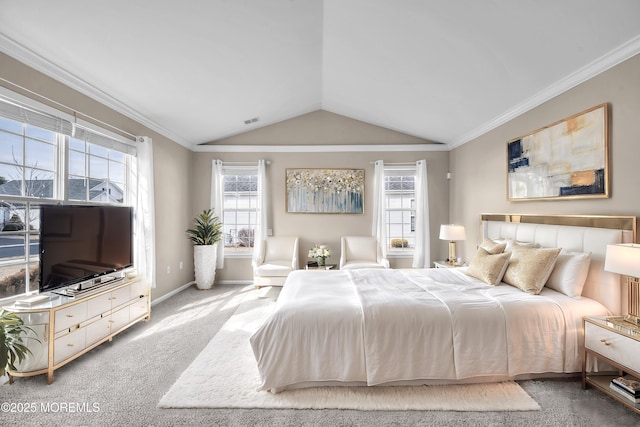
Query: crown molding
{"x": 316, "y": 148}
{"x": 48, "y": 68}
{"x": 43, "y": 65}
{"x": 600, "y": 65}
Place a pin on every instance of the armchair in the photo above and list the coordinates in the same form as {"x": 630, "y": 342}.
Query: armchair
{"x": 361, "y": 252}
{"x": 278, "y": 258}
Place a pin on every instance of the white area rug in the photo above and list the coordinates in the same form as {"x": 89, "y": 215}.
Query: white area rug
{"x": 225, "y": 375}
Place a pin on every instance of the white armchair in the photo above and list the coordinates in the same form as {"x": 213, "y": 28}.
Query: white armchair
{"x": 361, "y": 252}
{"x": 278, "y": 258}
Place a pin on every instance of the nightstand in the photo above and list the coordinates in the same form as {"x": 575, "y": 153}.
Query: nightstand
{"x": 322, "y": 267}
{"x": 612, "y": 341}
{"x": 446, "y": 264}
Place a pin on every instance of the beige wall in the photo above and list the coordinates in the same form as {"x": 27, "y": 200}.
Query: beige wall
{"x": 324, "y": 228}
{"x": 172, "y": 162}
{"x": 478, "y": 184}
{"x": 479, "y": 167}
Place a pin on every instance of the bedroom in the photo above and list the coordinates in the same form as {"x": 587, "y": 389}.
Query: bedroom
{"x": 477, "y": 168}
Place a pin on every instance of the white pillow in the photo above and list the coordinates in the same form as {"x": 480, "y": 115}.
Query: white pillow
{"x": 570, "y": 273}
{"x": 510, "y": 243}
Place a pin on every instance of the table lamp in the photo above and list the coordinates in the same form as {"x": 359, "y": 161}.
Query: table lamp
{"x": 625, "y": 259}
{"x": 452, "y": 233}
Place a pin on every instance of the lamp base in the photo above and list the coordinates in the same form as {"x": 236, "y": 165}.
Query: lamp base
{"x": 452, "y": 252}
{"x": 633, "y": 319}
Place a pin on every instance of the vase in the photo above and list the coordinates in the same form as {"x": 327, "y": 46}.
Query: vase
{"x": 321, "y": 261}
{"x": 204, "y": 257}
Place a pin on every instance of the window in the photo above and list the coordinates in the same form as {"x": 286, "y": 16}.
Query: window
{"x": 28, "y": 160}
{"x": 96, "y": 173}
{"x": 40, "y": 162}
{"x": 399, "y": 185}
{"x": 240, "y": 214}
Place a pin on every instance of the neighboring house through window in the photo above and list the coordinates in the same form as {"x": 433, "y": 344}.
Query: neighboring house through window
{"x": 240, "y": 214}
{"x": 399, "y": 185}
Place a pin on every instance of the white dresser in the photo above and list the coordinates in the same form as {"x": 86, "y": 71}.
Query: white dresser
{"x": 66, "y": 327}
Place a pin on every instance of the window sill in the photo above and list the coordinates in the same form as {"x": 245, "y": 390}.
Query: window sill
{"x": 399, "y": 254}
{"x": 239, "y": 255}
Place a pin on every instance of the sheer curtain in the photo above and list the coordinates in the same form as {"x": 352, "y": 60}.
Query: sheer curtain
{"x": 379, "y": 223}
{"x": 260, "y": 233}
{"x": 422, "y": 249}
{"x": 217, "y": 200}
{"x": 142, "y": 197}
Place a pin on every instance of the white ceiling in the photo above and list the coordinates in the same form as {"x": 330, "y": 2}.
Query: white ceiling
{"x": 442, "y": 70}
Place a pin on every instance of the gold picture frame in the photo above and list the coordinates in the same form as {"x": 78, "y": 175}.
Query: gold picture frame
{"x": 568, "y": 159}
{"x": 325, "y": 191}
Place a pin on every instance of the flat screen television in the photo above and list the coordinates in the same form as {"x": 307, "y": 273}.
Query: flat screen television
{"x": 79, "y": 242}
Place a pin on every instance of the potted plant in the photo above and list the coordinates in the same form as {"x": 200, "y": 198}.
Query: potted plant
{"x": 12, "y": 348}
{"x": 205, "y": 235}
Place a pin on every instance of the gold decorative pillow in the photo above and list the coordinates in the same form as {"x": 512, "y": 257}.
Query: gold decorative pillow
{"x": 530, "y": 268}
{"x": 488, "y": 267}
{"x": 493, "y": 247}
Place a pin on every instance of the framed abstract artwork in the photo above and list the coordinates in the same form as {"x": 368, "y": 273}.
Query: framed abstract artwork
{"x": 325, "y": 191}
{"x": 566, "y": 160}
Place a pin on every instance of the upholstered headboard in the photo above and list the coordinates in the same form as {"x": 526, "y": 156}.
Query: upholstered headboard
{"x": 577, "y": 233}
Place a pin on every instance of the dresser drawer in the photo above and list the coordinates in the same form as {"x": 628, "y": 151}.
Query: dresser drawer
{"x": 138, "y": 289}
{"x": 119, "y": 297}
{"x": 98, "y": 305}
{"x": 619, "y": 348}
{"x": 98, "y": 330}
{"x": 140, "y": 308}
{"x": 68, "y": 345}
{"x": 70, "y": 316}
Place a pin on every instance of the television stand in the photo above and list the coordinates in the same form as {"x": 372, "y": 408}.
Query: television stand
{"x": 89, "y": 287}
{"x": 66, "y": 327}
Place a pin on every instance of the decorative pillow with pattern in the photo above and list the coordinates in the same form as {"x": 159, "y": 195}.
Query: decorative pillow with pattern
{"x": 530, "y": 268}
{"x": 488, "y": 267}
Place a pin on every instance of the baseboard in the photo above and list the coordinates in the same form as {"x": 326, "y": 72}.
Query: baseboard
{"x": 187, "y": 285}
{"x": 168, "y": 295}
{"x": 235, "y": 282}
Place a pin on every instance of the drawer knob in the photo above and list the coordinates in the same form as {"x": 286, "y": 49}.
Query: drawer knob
{"x": 69, "y": 315}
{"x": 69, "y": 345}
{"x": 605, "y": 342}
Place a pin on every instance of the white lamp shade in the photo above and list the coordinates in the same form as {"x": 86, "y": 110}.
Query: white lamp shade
{"x": 452, "y": 232}
{"x": 623, "y": 259}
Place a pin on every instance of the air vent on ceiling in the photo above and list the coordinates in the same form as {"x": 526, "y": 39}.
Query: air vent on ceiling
{"x": 252, "y": 120}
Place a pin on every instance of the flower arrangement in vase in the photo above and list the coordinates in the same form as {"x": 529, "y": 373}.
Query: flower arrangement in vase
{"x": 320, "y": 253}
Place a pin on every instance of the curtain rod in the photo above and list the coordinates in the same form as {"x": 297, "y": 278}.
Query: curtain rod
{"x": 396, "y": 164}
{"x": 243, "y": 163}
{"x": 73, "y": 112}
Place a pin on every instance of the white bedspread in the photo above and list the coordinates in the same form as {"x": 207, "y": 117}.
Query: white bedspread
{"x": 393, "y": 326}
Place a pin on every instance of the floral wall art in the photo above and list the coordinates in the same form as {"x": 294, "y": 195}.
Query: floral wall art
{"x": 568, "y": 159}
{"x": 325, "y": 190}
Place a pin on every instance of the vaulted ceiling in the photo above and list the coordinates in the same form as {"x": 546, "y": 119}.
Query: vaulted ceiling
{"x": 442, "y": 70}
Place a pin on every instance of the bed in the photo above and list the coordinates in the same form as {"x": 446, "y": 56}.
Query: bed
{"x": 428, "y": 326}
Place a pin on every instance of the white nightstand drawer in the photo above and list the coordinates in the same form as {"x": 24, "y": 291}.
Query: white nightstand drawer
{"x": 614, "y": 346}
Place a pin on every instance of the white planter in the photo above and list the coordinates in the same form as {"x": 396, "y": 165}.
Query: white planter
{"x": 204, "y": 260}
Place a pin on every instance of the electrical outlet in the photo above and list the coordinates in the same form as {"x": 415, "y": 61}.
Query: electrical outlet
{"x": 168, "y": 269}
{"x": 181, "y": 265}
{"x": 269, "y": 232}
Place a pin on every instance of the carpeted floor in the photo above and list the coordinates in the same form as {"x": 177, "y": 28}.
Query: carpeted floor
{"x": 120, "y": 383}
